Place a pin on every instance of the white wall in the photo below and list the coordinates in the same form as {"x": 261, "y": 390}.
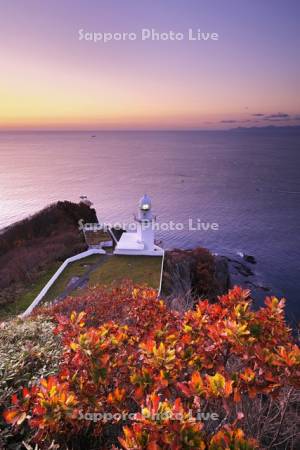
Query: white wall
{"x": 36, "y": 301}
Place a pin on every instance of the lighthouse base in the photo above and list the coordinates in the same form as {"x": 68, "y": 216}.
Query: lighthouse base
{"x": 129, "y": 244}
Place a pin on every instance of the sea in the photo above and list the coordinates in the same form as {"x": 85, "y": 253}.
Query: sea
{"x": 235, "y": 192}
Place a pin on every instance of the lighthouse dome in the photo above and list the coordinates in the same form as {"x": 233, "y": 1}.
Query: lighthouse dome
{"x": 145, "y": 203}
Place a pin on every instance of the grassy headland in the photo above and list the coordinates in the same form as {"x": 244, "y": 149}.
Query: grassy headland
{"x": 32, "y": 249}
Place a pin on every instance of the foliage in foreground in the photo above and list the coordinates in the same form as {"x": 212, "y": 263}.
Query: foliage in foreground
{"x": 29, "y": 350}
{"x": 163, "y": 369}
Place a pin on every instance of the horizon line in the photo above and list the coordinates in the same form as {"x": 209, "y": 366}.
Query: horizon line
{"x": 90, "y": 130}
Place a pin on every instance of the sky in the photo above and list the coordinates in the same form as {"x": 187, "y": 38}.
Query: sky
{"x": 50, "y": 79}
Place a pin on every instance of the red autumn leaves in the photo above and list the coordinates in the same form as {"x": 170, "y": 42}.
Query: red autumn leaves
{"x": 155, "y": 363}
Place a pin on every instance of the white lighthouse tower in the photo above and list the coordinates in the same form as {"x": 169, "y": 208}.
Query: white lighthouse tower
{"x": 142, "y": 241}
{"x": 145, "y": 222}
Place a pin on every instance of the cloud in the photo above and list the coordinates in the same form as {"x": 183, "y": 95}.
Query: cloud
{"x": 274, "y": 117}
{"x": 277, "y": 116}
{"x": 259, "y": 118}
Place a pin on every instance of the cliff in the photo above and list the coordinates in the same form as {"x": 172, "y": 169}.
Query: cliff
{"x": 36, "y": 244}
{"x": 193, "y": 274}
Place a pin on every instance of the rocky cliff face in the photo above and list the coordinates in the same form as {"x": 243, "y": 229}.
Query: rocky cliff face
{"x": 193, "y": 274}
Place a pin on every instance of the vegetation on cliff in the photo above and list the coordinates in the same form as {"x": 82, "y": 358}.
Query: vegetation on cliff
{"x": 31, "y": 250}
{"x": 151, "y": 370}
{"x": 193, "y": 274}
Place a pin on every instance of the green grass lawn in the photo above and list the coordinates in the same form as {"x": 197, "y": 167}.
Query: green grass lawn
{"x": 139, "y": 269}
{"x": 75, "y": 269}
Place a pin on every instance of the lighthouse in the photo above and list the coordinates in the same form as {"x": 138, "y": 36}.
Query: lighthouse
{"x": 145, "y": 223}
{"x": 141, "y": 242}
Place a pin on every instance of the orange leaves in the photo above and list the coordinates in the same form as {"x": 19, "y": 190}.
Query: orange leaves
{"x": 49, "y": 384}
{"x": 159, "y": 354}
{"x": 74, "y": 346}
{"x": 275, "y": 305}
{"x": 25, "y": 393}
{"x": 91, "y": 349}
{"x": 163, "y": 425}
{"x": 155, "y": 409}
{"x": 163, "y": 355}
{"x": 235, "y": 330}
{"x": 117, "y": 396}
{"x": 54, "y": 407}
{"x": 194, "y": 387}
{"x": 228, "y": 438}
{"x": 196, "y": 382}
{"x": 135, "y": 438}
{"x": 21, "y": 406}
{"x": 142, "y": 293}
{"x": 218, "y": 386}
{"x": 287, "y": 357}
{"x": 236, "y": 395}
{"x": 241, "y": 311}
{"x": 78, "y": 319}
{"x": 14, "y": 417}
{"x": 55, "y": 395}
{"x": 209, "y": 386}
{"x": 49, "y": 404}
{"x": 235, "y": 296}
{"x": 148, "y": 346}
{"x": 161, "y": 365}
{"x": 248, "y": 375}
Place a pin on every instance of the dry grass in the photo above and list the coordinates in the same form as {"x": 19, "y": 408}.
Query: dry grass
{"x": 28, "y": 350}
{"x": 275, "y": 422}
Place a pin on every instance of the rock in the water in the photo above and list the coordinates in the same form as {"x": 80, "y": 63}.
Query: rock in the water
{"x": 250, "y": 259}
{"x": 242, "y": 269}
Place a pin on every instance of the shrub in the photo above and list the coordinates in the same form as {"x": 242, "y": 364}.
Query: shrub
{"x": 28, "y": 350}
{"x": 191, "y": 272}
{"x": 163, "y": 369}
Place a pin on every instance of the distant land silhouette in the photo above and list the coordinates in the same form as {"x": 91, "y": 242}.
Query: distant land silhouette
{"x": 276, "y": 128}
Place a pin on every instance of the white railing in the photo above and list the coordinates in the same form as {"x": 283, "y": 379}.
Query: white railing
{"x": 91, "y": 251}
{"x": 161, "y": 273}
{"x": 36, "y": 301}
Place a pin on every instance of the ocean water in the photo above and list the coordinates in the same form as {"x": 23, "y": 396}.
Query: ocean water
{"x": 245, "y": 182}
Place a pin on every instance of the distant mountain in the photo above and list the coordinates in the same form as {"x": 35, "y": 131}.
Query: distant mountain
{"x": 267, "y": 129}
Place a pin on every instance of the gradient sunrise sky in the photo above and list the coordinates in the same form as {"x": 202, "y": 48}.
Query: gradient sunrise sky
{"x": 50, "y": 79}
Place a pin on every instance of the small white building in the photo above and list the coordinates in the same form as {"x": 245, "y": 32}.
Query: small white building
{"x": 85, "y": 200}
{"x": 140, "y": 242}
